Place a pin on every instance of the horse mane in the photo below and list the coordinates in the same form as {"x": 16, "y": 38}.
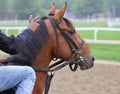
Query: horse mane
{"x": 69, "y": 23}
{"x": 32, "y": 46}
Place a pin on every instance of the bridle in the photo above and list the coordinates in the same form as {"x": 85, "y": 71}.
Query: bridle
{"x": 77, "y": 56}
{"x": 73, "y": 62}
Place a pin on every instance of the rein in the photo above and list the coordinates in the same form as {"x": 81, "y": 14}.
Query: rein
{"x": 72, "y": 62}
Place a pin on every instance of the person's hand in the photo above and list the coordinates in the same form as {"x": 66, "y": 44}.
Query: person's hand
{"x": 3, "y": 60}
{"x": 33, "y": 25}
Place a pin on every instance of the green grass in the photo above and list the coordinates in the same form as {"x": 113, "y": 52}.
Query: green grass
{"x": 13, "y": 25}
{"x": 109, "y": 35}
{"x": 90, "y": 24}
{"x": 102, "y": 35}
{"x": 11, "y": 32}
{"x": 86, "y": 34}
{"x": 106, "y": 51}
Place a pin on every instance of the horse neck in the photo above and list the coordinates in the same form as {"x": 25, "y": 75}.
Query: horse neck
{"x": 43, "y": 60}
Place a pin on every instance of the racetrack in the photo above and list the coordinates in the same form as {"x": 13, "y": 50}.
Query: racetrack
{"x": 103, "y": 78}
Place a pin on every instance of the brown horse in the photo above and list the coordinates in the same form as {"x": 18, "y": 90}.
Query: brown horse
{"x": 57, "y": 39}
{"x": 59, "y": 47}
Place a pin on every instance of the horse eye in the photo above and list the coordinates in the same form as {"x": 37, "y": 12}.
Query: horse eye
{"x": 71, "y": 32}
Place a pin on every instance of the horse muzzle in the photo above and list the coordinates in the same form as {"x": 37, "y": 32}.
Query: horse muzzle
{"x": 86, "y": 63}
{"x": 79, "y": 60}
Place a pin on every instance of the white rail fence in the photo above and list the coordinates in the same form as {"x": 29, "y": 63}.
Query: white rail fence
{"x": 95, "y": 40}
{"x": 98, "y": 29}
{"x": 7, "y": 29}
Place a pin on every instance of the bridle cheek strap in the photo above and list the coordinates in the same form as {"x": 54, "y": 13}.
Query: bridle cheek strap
{"x": 74, "y": 62}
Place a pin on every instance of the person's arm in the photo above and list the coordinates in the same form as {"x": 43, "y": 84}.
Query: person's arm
{"x": 6, "y": 43}
{"x": 32, "y": 27}
{"x": 12, "y": 45}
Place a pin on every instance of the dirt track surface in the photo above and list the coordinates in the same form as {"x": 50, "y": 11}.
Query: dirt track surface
{"x": 103, "y": 78}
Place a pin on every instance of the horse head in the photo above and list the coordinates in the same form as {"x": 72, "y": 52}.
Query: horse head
{"x": 63, "y": 42}
{"x": 67, "y": 45}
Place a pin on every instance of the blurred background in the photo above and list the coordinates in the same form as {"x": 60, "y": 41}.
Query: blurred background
{"x": 97, "y": 21}
{"x": 21, "y": 9}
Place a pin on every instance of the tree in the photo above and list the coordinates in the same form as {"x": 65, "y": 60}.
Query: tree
{"x": 89, "y": 7}
{"x": 3, "y": 8}
{"x": 114, "y": 8}
{"x": 24, "y": 8}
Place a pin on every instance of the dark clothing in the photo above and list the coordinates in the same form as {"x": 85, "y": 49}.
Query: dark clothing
{"x": 31, "y": 48}
{"x": 12, "y": 44}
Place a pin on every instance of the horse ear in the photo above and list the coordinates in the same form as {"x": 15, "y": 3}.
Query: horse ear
{"x": 52, "y": 10}
{"x": 60, "y": 13}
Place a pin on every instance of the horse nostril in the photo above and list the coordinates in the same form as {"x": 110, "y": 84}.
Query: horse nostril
{"x": 93, "y": 59}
